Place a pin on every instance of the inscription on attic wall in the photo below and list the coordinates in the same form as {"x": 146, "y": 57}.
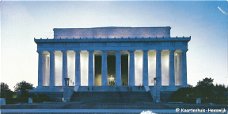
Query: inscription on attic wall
{"x": 112, "y": 32}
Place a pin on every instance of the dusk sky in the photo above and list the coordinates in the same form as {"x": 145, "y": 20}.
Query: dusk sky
{"x": 205, "y": 22}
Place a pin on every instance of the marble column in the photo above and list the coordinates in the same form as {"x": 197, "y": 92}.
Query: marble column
{"x": 77, "y": 69}
{"x": 131, "y": 79}
{"x": 90, "y": 67}
{"x": 171, "y": 68}
{"x": 158, "y": 75}
{"x": 64, "y": 71}
{"x": 145, "y": 67}
{"x": 184, "y": 68}
{"x": 158, "y": 67}
{"x": 118, "y": 68}
{"x": 40, "y": 68}
{"x": 104, "y": 68}
{"x": 46, "y": 69}
{"x": 52, "y": 68}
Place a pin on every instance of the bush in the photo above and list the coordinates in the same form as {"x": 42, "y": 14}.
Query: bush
{"x": 40, "y": 98}
{"x": 6, "y": 93}
{"x": 183, "y": 95}
{"x": 205, "y": 90}
{"x": 22, "y": 90}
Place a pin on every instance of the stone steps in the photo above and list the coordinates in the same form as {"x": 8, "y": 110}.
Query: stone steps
{"x": 112, "y": 97}
{"x": 110, "y": 89}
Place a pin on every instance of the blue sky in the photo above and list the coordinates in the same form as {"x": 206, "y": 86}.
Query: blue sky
{"x": 206, "y": 22}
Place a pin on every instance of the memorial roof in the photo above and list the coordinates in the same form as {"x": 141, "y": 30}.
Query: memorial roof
{"x": 112, "y": 32}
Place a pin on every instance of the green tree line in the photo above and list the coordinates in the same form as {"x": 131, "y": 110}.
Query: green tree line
{"x": 205, "y": 90}
{"x": 20, "y": 93}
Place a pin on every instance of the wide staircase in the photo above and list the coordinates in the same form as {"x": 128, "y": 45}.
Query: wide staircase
{"x": 129, "y": 99}
{"x": 112, "y": 97}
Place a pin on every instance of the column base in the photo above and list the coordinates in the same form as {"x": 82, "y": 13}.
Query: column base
{"x": 147, "y": 88}
{"x": 76, "y": 88}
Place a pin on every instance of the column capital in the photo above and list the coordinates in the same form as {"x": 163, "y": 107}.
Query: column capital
{"x": 40, "y": 51}
{"x": 158, "y": 50}
{"x": 90, "y": 51}
{"x": 131, "y": 51}
{"x": 76, "y": 50}
{"x": 51, "y": 51}
{"x": 184, "y": 50}
{"x": 145, "y": 51}
{"x": 104, "y": 51}
{"x": 118, "y": 51}
{"x": 172, "y": 50}
{"x": 64, "y": 51}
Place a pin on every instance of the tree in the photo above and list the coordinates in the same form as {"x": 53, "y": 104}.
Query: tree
{"x": 205, "y": 89}
{"x": 183, "y": 95}
{"x": 220, "y": 94}
{"x": 6, "y": 92}
{"x": 206, "y": 82}
{"x": 22, "y": 88}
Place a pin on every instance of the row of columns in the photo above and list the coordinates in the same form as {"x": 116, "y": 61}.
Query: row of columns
{"x": 118, "y": 68}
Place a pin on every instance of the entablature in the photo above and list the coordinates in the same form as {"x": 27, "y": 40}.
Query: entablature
{"x": 97, "y": 40}
{"x": 113, "y": 44}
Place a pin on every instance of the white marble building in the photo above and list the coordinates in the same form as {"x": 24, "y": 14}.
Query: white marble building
{"x": 112, "y": 57}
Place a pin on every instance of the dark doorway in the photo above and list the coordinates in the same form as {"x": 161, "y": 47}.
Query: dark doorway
{"x": 124, "y": 69}
{"x": 97, "y": 70}
{"x": 111, "y": 61}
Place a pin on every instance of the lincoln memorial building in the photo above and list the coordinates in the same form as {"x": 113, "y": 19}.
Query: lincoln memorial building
{"x": 117, "y": 59}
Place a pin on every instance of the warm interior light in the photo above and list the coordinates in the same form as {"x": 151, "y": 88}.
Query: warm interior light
{"x": 84, "y": 68}
{"x": 111, "y": 78}
{"x": 165, "y": 67}
{"x": 138, "y": 67}
{"x": 151, "y": 67}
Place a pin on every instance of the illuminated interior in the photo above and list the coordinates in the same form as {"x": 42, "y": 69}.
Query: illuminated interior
{"x": 71, "y": 67}
{"x": 111, "y": 68}
{"x": 138, "y": 67}
{"x": 111, "y": 62}
{"x": 111, "y": 78}
{"x": 165, "y": 67}
{"x": 84, "y": 68}
{"x": 46, "y": 68}
{"x": 177, "y": 68}
{"x": 58, "y": 68}
{"x": 151, "y": 67}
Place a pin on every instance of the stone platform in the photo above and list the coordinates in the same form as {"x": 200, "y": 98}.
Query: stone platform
{"x": 105, "y": 108}
{"x": 87, "y": 111}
